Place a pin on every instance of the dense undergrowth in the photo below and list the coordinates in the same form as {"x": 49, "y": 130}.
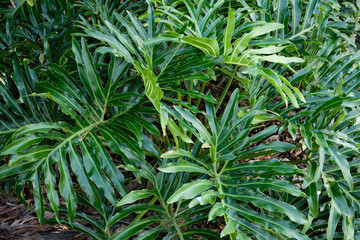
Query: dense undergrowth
{"x": 236, "y": 113}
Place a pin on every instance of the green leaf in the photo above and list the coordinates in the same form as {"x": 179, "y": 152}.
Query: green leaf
{"x": 50, "y": 182}
{"x": 38, "y": 196}
{"x": 270, "y": 204}
{"x": 333, "y": 221}
{"x": 309, "y": 12}
{"x": 83, "y": 179}
{"x": 178, "y": 153}
{"x": 93, "y": 169}
{"x": 40, "y": 128}
{"x": 281, "y": 59}
{"x": 183, "y": 166}
{"x": 152, "y": 89}
{"x": 264, "y": 166}
{"x": 190, "y": 190}
{"x": 229, "y": 228}
{"x": 31, "y": 2}
{"x": 340, "y": 202}
{"x": 209, "y": 47}
{"x": 274, "y": 79}
{"x": 242, "y": 43}
{"x": 134, "y": 196}
{"x": 133, "y": 228}
{"x": 343, "y": 164}
{"x": 66, "y": 185}
{"x": 276, "y": 145}
{"x": 169, "y": 37}
{"x": 175, "y": 130}
{"x": 120, "y": 50}
{"x": 189, "y": 117}
{"x": 218, "y": 210}
{"x": 136, "y": 208}
{"x": 32, "y": 154}
{"x": 292, "y": 130}
{"x": 107, "y": 163}
{"x": 6, "y": 171}
{"x": 20, "y": 144}
{"x": 282, "y": 227}
{"x": 277, "y": 185}
{"x": 229, "y": 110}
{"x": 313, "y": 199}
{"x": 206, "y": 233}
{"x": 208, "y": 197}
{"x": 229, "y": 30}
{"x": 164, "y": 116}
{"x": 150, "y": 234}
{"x": 260, "y": 234}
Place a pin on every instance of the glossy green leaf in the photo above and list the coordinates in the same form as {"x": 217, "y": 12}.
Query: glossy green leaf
{"x": 134, "y": 196}
{"x": 208, "y": 197}
{"x": 190, "y": 190}
{"x": 217, "y": 210}
{"x": 183, "y": 166}
{"x": 277, "y": 185}
{"x": 281, "y": 227}
{"x": 230, "y": 27}
{"x": 270, "y": 204}
{"x": 209, "y": 47}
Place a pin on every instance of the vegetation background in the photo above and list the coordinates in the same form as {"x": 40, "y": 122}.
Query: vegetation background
{"x": 193, "y": 119}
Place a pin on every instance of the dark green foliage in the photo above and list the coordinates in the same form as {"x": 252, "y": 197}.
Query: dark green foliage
{"x": 202, "y": 103}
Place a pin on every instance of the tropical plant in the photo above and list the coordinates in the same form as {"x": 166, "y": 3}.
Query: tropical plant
{"x": 242, "y": 114}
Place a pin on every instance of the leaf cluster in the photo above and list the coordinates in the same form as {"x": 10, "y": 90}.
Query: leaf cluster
{"x": 201, "y": 104}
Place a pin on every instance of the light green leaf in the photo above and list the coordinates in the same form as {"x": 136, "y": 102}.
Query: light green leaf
{"x": 176, "y": 131}
{"x": 152, "y": 88}
{"x": 134, "y": 196}
{"x": 242, "y": 43}
{"x": 31, "y": 2}
{"x": 281, "y": 59}
{"x": 183, "y": 166}
{"x": 209, "y": 47}
{"x": 190, "y": 190}
{"x": 208, "y": 197}
{"x": 229, "y": 228}
{"x": 230, "y": 27}
{"x": 178, "y": 153}
{"x": 217, "y": 210}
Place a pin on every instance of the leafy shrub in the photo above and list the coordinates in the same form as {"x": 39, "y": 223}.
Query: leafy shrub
{"x": 238, "y": 113}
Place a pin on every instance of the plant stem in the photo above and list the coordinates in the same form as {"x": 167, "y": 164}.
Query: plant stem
{"x": 167, "y": 140}
{"x": 140, "y": 215}
{"x": 178, "y": 230}
{"x": 177, "y": 208}
{"x": 170, "y": 216}
{"x": 173, "y": 221}
{"x": 191, "y": 87}
{"x": 202, "y": 88}
{"x": 226, "y": 89}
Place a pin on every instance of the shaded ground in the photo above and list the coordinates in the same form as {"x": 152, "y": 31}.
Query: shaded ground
{"x": 19, "y": 222}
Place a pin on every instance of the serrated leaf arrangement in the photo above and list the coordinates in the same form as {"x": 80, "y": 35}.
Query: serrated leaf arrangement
{"x": 183, "y": 119}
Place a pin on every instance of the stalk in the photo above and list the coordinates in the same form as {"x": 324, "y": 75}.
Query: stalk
{"x": 140, "y": 215}
{"x": 228, "y": 84}
{"x": 198, "y": 100}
